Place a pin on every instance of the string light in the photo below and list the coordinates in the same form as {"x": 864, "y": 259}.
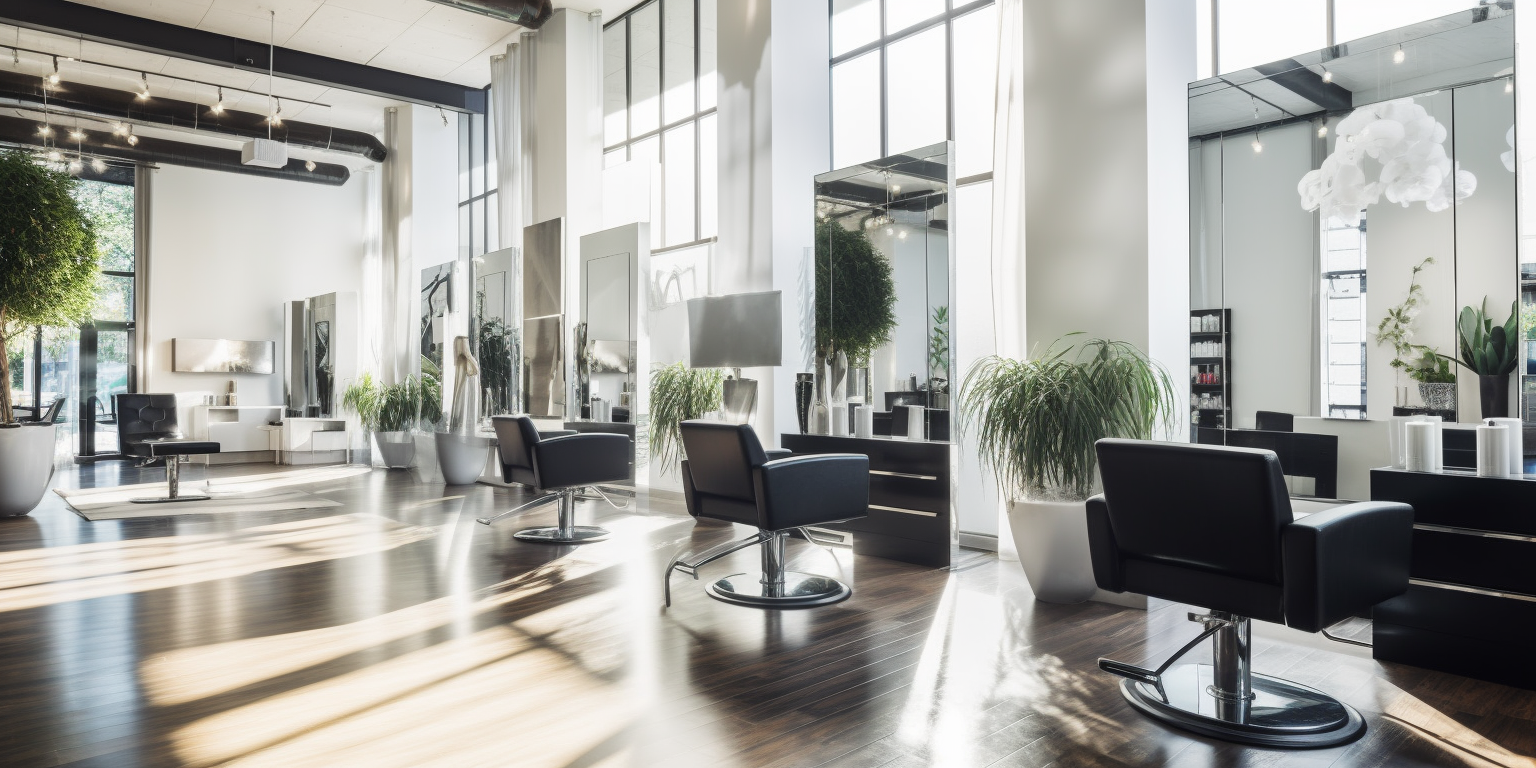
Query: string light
{"x": 218, "y": 106}
{"x": 143, "y": 86}
{"x": 53, "y": 78}
{"x": 277, "y": 114}
{"x": 98, "y": 165}
{"x": 45, "y": 130}
{"x": 1399, "y": 56}
{"x": 77, "y": 134}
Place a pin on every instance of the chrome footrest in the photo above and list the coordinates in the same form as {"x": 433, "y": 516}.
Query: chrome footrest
{"x": 798, "y": 590}
{"x": 168, "y": 499}
{"x": 580, "y": 534}
{"x": 1280, "y": 714}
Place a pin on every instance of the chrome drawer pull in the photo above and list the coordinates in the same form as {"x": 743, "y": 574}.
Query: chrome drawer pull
{"x": 1473, "y": 590}
{"x": 904, "y": 511}
{"x": 1471, "y": 532}
{"x": 888, "y": 473}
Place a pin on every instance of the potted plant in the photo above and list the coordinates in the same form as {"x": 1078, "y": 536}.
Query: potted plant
{"x": 1036, "y": 422}
{"x": 938, "y": 358}
{"x": 389, "y": 413}
{"x": 1490, "y": 351}
{"x": 1423, "y": 364}
{"x": 679, "y": 393}
{"x": 855, "y": 302}
{"x": 49, "y": 263}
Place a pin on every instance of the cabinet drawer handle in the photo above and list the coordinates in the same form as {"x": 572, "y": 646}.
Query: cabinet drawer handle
{"x": 888, "y": 473}
{"x": 1473, "y": 590}
{"x": 904, "y": 511}
{"x": 1472, "y": 532}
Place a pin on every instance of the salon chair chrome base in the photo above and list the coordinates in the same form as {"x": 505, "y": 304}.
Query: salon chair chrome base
{"x": 173, "y": 483}
{"x": 565, "y": 531}
{"x": 776, "y": 587}
{"x": 1226, "y": 700}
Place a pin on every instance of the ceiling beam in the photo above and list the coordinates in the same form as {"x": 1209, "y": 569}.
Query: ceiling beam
{"x": 140, "y": 34}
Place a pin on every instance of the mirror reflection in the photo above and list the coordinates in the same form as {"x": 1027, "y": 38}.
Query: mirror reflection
{"x": 882, "y": 284}
{"x": 1352, "y": 230}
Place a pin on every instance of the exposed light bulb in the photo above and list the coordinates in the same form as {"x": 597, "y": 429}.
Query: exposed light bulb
{"x": 77, "y": 134}
{"x": 75, "y": 166}
{"x": 309, "y": 165}
{"x": 1327, "y": 76}
{"x": 218, "y": 106}
{"x": 53, "y": 77}
{"x": 1509, "y": 86}
{"x": 133, "y": 141}
{"x": 1258, "y": 146}
{"x": 1322, "y": 131}
{"x": 98, "y": 165}
{"x": 1399, "y": 56}
{"x": 45, "y": 130}
{"x": 143, "y": 86}
{"x": 54, "y": 156}
{"x": 902, "y": 235}
{"x": 890, "y": 231}
{"x": 118, "y": 129}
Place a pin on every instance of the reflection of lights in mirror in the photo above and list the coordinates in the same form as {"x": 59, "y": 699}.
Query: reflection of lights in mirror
{"x": 1322, "y": 131}
{"x": 1327, "y": 76}
{"x": 1258, "y": 146}
{"x": 1399, "y": 56}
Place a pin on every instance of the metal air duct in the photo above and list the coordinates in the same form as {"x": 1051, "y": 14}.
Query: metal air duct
{"x": 528, "y": 13}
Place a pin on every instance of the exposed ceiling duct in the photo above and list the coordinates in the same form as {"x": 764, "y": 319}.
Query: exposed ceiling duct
{"x": 22, "y": 131}
{"x": 529, "y": 13}
{"x": 95, "y": 101}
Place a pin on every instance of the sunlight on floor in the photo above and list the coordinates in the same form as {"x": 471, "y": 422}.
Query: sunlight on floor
{"x": 47, "y": 576}
{"x": 1449, "y": 734}
{"x": 193, "y": 673}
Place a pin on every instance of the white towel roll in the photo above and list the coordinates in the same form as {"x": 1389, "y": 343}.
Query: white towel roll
{"x": 1492, "y": 450}
{"x": 839, "y": 420}
{"x": 1418, "y": 446}
{"x": 864, "y": 421}
{"x": 1516, "y": 440}
{"x": 916, "y": 420}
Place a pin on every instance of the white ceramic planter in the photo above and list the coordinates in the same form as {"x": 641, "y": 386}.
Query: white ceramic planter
{"x": 396, "y": 449}
{"x": 461, "y": 457}
{"x": 1052, "y": 539}
{"x": 26, "y": 466}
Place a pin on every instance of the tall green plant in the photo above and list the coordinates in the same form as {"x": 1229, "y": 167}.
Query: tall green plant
{"x": 1488, "y": 349}
{"x": 855, "y": 294}
{"x": 49, "y": 256}
{"x": 679, "y": 393}
{"x": 1422, "y": 363}
{"x": 938, "y": 345}
{"x": 1036, "y": 420}
{"x": 393, "y": 408}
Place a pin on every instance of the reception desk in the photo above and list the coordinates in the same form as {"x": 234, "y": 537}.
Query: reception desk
{"x": 1470, "y": 608}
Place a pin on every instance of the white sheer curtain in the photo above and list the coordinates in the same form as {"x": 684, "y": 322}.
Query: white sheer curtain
{"x": 511, "y": 93}
{"x": 1008, "y": 207}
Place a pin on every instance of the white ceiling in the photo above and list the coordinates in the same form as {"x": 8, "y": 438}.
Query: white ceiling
{"x": 415, "y": 37}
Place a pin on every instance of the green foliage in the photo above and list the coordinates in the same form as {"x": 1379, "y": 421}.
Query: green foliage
{"x": 1038, "y": 419}
{"x": 1488, "y": 349}
{"x": 938, "y": 345}
{"x": 855, "y": 294}
{"x": 393, "y": 408}
{"x": 1421, "y": 363}
{"x": 495, "y": 347}
{"x": 49, "y": 254}
{"x": 431, "y": 384}
{"x": 679, "y": 393}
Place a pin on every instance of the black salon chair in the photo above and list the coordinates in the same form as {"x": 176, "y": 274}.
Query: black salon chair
{"x": 1274, "y": 421}
{"x": 147, "y": 430}
{"x": 53, "y": 414}
{"x": 1212, "y": 526}
{"x": 559, "y": 465}
{"x": 728, "y": 476}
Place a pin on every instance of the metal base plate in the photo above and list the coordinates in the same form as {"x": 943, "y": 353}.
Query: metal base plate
{"x": 581, "y": 534}
{"x": 168, "y": 499}
{"x": 1281, "y": 714}
{"x": 801, "y": 590}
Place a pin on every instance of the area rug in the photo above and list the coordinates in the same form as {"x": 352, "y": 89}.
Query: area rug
{"x": 266, "y": 492}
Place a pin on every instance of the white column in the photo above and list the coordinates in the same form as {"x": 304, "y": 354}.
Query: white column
{"x": 774, "y": 138}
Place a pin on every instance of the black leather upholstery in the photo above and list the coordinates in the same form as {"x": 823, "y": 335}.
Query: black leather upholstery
{"x": 728, "y": 476}
{"x": 1274, "y": 421}
{"x": 561, "y": 459}
{"x": 147, "y": 428}
{"x": 1212, "y": 526}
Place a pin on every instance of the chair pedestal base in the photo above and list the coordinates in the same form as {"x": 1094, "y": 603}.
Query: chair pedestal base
{"x": 578, "y": 534}
{"x": 1280, "y": 714}
{"x": 173, "y": 486}
{"x": 168, "y": 499}
{"x": 798, "y": 590}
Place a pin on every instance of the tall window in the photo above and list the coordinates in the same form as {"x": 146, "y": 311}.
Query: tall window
{"x": 478, "y": 231}
{"x": 659, "y": 99}
{"x": 1238, "y": 34}
{"x": 910, "y": 73}
{"x": 1344, "y": 319}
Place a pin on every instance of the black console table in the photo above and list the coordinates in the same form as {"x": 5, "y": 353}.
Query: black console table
{"x": 910, "y": 516}
{"x": 1470, "y": 608}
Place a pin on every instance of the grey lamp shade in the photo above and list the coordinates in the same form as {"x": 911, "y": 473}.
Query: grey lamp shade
{"x": 741, "y": 330}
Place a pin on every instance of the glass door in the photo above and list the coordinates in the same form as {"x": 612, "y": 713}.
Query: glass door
{"x": 106, "y": 342}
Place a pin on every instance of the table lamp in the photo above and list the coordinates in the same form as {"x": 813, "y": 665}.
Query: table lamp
{"x": 742, "y": 330}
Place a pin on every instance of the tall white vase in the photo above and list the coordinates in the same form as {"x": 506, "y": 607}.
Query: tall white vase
{"x": 26, "y": 466}
{"x": 1052, "y": 539}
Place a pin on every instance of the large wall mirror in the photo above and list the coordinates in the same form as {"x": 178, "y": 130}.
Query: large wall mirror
{"x": 882, "y": 284}
{"x": 495, "y": 329}
{"x": 1345, "y": 206}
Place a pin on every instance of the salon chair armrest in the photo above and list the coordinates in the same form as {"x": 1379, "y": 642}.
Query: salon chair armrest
{"x": 550, "y": 434}
{"x": 585, "y": 459}
{"x": 1103, "y": 550}
{"x": 1343, "y": 561}
{"x": 774, "y": 454}
{"x": 812, "y": 490}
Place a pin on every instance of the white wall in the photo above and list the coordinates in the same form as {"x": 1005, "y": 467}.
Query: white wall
{"x": 227, "y": 250}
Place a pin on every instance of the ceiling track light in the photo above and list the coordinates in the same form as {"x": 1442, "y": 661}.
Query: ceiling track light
{"x": 133, "y": 141}
{"x": 1399, "y": 56}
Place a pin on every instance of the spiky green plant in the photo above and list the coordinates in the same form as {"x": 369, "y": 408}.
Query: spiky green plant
{"x": 938, "y": 345}
{"x": 394, "y": 408}
{"x": 1488, "y": 349}
{"x": 1036, "y": 420}
{"x": 679, "y": 393}
{"x": 49, "y": 256}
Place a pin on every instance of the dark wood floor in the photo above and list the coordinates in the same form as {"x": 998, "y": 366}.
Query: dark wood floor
{"x": 393, "y": 631}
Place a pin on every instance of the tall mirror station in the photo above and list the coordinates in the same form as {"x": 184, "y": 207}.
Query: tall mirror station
{"x": 1358, "y": 306}
{"x": 495, "y": 324}
{"x": 883, "y": 265}
{"x": 1352, "y": 237}
{"x": 611, "y": 341}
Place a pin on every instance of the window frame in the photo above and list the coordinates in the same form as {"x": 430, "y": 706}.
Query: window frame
{"x": 694, "y": 119}
{"x": 488, "y": 187}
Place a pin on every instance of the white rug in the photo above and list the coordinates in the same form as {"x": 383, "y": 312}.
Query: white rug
{"x": 264, "y": 492}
